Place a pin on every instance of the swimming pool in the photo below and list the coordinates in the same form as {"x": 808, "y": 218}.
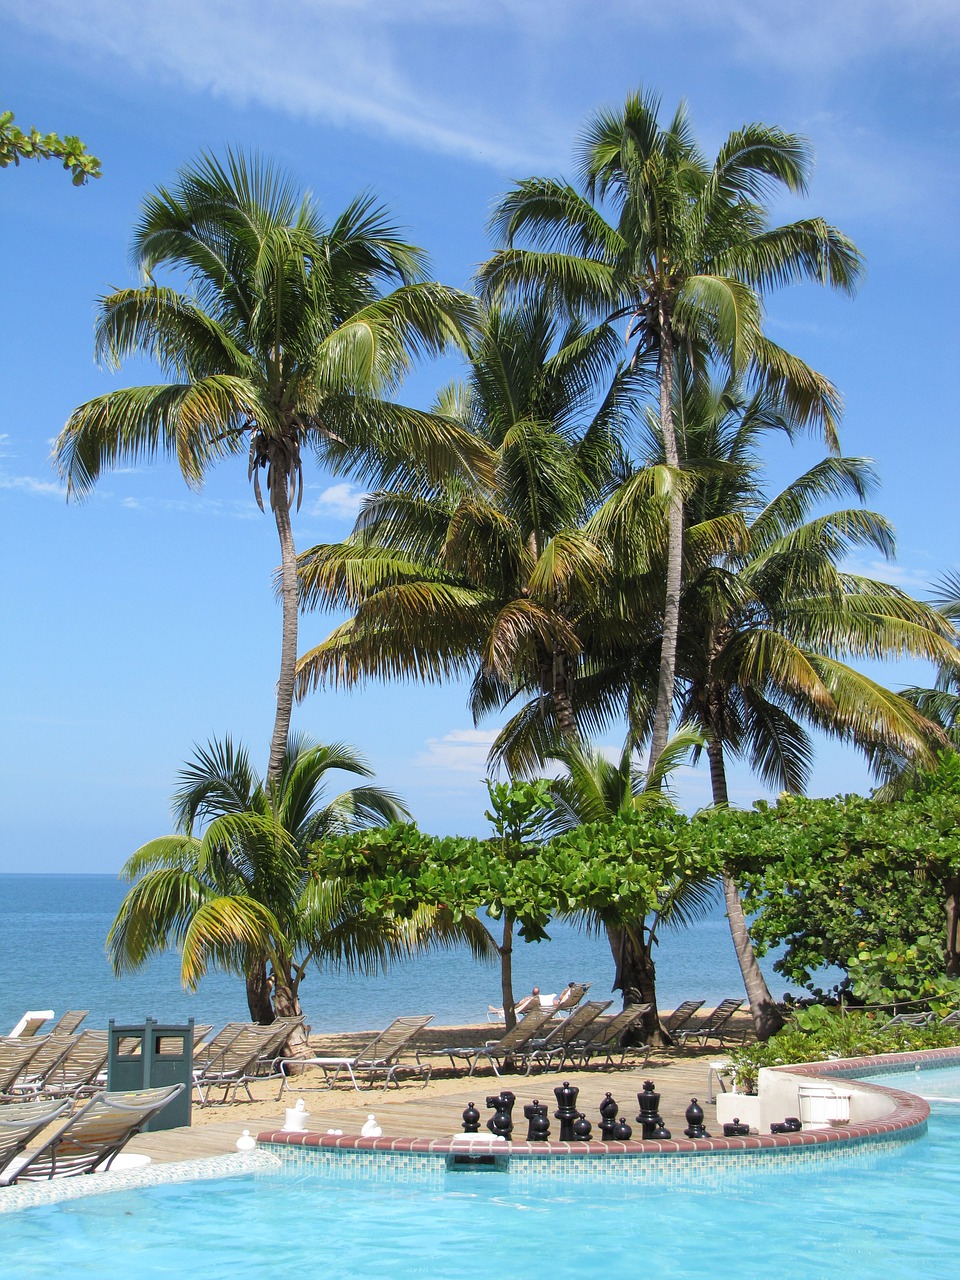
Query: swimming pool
{"x": 877, "y": 1213}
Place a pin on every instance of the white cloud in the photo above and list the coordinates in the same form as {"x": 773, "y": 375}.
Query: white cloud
{"x": 342, "y": 500}
{"x": 30, "y": 484}
{"x": 459, "y": 751}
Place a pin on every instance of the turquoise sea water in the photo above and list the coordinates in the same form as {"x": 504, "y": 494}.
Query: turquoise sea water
{"x": 53, "y": 927}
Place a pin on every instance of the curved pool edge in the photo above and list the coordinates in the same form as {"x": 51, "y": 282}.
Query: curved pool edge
{"x": 29, "y": 1195}
{"x": 907, "y": 1120}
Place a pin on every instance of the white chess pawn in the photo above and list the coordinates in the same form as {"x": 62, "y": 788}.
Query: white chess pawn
{"x": 245, "y": 1142}
{"x": 371, "y": 1129}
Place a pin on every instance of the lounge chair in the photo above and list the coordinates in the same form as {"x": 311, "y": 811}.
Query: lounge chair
{"x": 234, "y": 1065}
{"x": 31, "y": 1022}
{"x": 503, "y": 1049}
{"x": 951, "y": 1019}
{"x": 48, "y": 1052}
{"x": 68, "y": 1022}
{"x": 571, "y": 997}
{"x": 204, "y": 1054}
{"x": 380, "y": 1057}
{"x": 540, "y": 1053}
{"x": 681, "y": 1016}
{"x": 20, "y": 1122}
{"x": 908, "y": 1020}
{"x": 607, "y": 1040}
{"x": 90, "y": 1139}
{"x": 75, "y": 1075}
{"x": 275, "y": 1041}
{"x": 714, "y": 1026}
{"x": 14, "y": 1056}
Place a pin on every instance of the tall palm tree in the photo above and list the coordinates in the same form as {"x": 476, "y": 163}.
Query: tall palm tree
{"x": 770, "y": 623}
{"x": 686, "y": 262}
{"x": 242, "y": 886}
{"x": 292, "y": 334}
{"x": 488, "y": 580}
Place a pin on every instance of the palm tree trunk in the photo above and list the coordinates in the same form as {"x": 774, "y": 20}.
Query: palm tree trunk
{"x": 259, "y": 995}
{"x": 636, "y": 976}
{"x": 767, "y": 1019}
{"x": 286, "y": 1002}
{"x": 951, "y": 958}
{"x": 290, "y": 603}
{"x": 671, "y": 607}
{"x": 562, "y": 703}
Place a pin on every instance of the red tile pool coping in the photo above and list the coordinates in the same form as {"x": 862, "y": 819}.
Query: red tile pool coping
{"x": 907, "y": 1120}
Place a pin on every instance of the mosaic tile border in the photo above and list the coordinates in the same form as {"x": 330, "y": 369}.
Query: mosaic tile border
{"x": 711, "y": 1170}
{"x": 31, "y": 1194}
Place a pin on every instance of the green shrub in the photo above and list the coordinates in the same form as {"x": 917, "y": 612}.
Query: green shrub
{"x": 816, "y": 1034}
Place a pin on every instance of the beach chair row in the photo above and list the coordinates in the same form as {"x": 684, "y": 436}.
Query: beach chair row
{"x": 86, "y": 1142}
{"x": 73, "y": 1067}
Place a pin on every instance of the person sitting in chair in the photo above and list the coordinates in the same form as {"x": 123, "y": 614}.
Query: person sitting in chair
{"x": 532, "y": 1001}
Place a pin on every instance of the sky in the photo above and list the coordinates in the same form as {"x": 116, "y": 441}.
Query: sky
{"x": 144, "y": 620}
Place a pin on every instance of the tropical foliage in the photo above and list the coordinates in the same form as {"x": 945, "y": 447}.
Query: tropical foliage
{"x": 242, "y": 885}
{"x": 15, "y": 145}
{"x": 686, "y": 258}
{"x": 293, "y": 335}
{"x": 490, "y": 580}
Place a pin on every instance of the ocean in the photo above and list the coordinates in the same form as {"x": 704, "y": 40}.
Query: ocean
{"x": 52, "y": 956}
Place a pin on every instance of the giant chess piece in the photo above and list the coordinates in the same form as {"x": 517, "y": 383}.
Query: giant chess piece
{"x": 501, "y": 1122}
{"x": 538, "y": 1122}
{"x": 694, "y": 1117}
{"x": 566, "y": 1112}
{"x": 608, "y": 1117}
{"x": 649, "y": 1119}
{"x": 471, "y": 1119}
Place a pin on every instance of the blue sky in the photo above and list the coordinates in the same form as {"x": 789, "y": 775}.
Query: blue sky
{"x": 143, "y": 620}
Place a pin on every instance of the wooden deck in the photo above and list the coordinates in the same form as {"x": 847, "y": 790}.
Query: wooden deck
{"x": 434, "y": 1112}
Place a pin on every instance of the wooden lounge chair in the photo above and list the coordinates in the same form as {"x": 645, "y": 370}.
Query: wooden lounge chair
{"x": 68, "y": 1022}
{"x": 681, "y": 1016}
{"x": 15, "y": 1054}
{"x": 380, "y": 1057}
{"x": 540, "y": 1053}
{"x": 90, "y": 1139}
{"x": 49, "y": 1052}
{"x": 235, "y": 1065}
{"x": 75, "y": 1075}
{"x": 20, "y": 1122}
{"x": 714, "y": 1026}
{"x": 607, "y": 1040}
{"x": 507, "y": 1046}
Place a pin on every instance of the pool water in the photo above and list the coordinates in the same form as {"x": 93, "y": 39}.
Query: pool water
{"x": 884, "y": 1215}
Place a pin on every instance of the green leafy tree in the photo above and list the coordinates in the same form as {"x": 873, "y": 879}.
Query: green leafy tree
{"x": 15, "y": 145}
{"x": 687, "y": 256}
{"x": 242, "y": 885}
{"x": 293, "y": 335}
{"x": 865, "y": 885}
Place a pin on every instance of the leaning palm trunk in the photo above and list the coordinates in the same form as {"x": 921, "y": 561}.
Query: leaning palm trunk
{"x": 505, "y": 950}
{"x": 767, "y": 1019}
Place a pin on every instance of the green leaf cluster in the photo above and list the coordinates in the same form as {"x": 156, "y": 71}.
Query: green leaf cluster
{"x": 15, "y": 145}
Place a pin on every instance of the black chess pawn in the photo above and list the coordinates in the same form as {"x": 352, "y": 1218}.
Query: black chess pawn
{"x": 532, "y": 1112}
{"x": 471, "y": 1119}
{"x": 582, "y": 1128}
{"x": 541, "y": 1125}
{"x": 622, "y": 1131}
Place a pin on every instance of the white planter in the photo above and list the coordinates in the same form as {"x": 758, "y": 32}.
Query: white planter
{"x": 823, "y": 1107}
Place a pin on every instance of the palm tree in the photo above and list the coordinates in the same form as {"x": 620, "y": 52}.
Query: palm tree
{"x": 488, "y": 580}
{"x": 593, "y": 789}
{"x": 293, "y": 333}
{"x": 242, "y": 887}
{"x": 687, "y": 261}
{"x": 770, "y": 622}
